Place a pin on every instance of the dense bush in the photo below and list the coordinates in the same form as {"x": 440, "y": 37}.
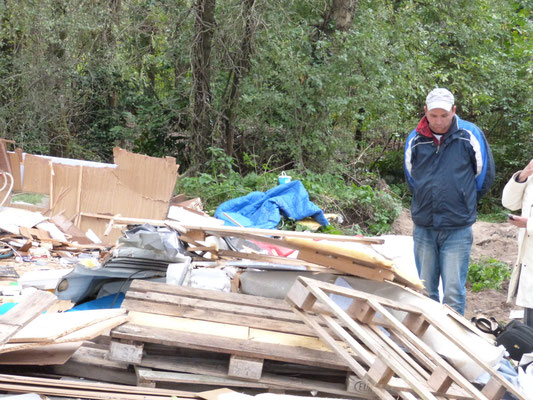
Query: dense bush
{"x": 362, "y": 209}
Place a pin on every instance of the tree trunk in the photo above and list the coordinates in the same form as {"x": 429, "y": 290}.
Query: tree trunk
{"x": 201, "y": 72}
{"x": 342, "y": 13}
{"x": 241, "y": 65}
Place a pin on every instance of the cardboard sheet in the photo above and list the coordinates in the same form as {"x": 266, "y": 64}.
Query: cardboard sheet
{"x": 136, "y": 186}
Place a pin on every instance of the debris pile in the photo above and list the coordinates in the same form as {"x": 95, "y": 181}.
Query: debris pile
{"x": 153, "y": 298}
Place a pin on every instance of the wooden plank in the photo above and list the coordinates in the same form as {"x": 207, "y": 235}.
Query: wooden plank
{"x": 85, "y": 333}
{"x": 212, "y": 305}
{"x": 23, "y": 313}
{"x": 235, "y": 231}
{"x": 226, "y": 330}
{"x": 268, "y": 380}
{"x": 85, "y": 389}
{"x": 207, "y": 314}
{"x": 148, "y": 375}
{"x": 347, "y": 265}
{"x": 244, "y": 347}
{"x": 140, "y": 285}
{"x": 363, "y": 256}
{"x": 50, "y": 326}
{"x": 273, "y": 259}
{"x": 99, "y": 373}
{"x": 52, "y": 354}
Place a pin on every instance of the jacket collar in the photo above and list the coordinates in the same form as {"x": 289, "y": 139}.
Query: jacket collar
{"x": 424, "y": 130}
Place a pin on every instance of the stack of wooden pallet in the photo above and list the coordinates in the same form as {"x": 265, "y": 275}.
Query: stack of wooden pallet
{"x": 177, "y": 335}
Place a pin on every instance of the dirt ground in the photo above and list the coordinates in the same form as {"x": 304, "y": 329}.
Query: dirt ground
{"x": 491, "y": 240}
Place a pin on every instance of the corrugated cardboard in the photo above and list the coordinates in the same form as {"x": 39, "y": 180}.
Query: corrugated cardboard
{"x": 137, "y": 186}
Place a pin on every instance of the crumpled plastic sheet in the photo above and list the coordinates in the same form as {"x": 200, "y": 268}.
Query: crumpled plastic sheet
{"x": 150, "y": 242}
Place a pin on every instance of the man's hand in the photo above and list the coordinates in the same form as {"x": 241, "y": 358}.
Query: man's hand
{"x": 519, "y": 222}
{"x": 526, "y": 172}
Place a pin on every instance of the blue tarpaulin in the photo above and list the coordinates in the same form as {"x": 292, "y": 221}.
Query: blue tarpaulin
{"x": 264, "y": 209}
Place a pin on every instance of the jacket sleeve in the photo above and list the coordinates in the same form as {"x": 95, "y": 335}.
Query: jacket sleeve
{"x": 513, "y": 193}
{"x": 485, "y": 177}
{"x": 408, "y": 160}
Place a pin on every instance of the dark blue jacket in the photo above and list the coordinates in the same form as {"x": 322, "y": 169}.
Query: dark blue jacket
{"x": 447, "y": 179}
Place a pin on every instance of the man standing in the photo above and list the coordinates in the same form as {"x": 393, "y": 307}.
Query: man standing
{"x": 449, "y": 167}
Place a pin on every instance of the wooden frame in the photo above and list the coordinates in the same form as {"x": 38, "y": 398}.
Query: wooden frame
{"x": 414, "y": 368}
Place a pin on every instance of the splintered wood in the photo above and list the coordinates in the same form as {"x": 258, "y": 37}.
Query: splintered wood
{"x": 332, "y": 252}
{"x": 178, "y": 334}
{"x": 368, "y": 328}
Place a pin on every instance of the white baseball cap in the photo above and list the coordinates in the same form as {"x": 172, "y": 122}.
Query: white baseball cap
{"x": 440, "y": 98}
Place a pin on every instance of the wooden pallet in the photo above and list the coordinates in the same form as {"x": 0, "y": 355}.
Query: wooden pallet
{"x": 246, "y": 330}
{"x": 412, "y": 370}
{"x": 236, "y": 371}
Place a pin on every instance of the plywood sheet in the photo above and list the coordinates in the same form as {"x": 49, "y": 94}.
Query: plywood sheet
{"x": 151, "y": 176}
{"x": 36, "y": 174}
{"x": 52, "y": 354}
{"x": 50, "y": 326}
{"x": 86, "y": 333}
{"x": 14, "y": 159}
{"x": 65, "y": 189}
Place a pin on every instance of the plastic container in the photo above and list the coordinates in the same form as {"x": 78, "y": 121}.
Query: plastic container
{"x": 284, "y": 178}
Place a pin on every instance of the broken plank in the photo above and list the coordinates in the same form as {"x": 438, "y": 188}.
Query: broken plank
{"x": 50, "y": 326}
{"x": 231, "y": 231}
{"x": 347, "y": 265}
{"x": 24, "y": 312}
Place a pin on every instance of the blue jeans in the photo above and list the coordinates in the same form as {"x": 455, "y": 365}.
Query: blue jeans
{"x": 444, "y": 253}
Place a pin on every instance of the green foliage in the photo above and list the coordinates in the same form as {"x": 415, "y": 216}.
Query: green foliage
{"x": 488, "y": 274}
{"x": 77, "y": 78}
{"x": 363, "y": 209}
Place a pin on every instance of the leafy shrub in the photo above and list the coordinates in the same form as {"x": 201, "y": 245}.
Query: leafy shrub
{"x": 364, "y": 210}
{"x": 488, "y": 274}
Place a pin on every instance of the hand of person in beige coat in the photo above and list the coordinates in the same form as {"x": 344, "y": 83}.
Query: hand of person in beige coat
{"x": 526, "y": 172}
{"x": 521, "y": 222}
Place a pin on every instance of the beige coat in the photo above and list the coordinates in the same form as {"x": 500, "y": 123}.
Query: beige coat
{"x": 518, "y": 196}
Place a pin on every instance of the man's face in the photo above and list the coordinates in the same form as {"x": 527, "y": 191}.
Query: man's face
{"x": 440, "y": 120}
